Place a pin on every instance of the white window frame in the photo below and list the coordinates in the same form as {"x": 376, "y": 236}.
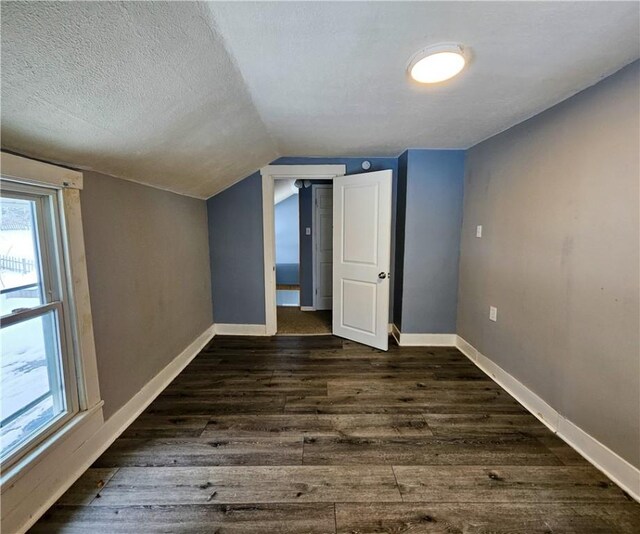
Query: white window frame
{"x": 86, "y": 413}
{"x": 55, "y": 294}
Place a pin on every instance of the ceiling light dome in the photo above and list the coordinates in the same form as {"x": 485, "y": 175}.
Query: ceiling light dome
{"x": 437, "y": 63}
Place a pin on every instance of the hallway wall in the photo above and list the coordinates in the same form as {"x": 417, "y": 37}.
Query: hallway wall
{"x": 287, "y": 231}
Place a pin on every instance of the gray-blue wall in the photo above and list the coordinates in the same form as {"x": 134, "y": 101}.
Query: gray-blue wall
{"x": 430, "y": 191}
{"x": 286, "y": 227}
{"x": 237, "y": 253}
{"x": 425, "y": 241}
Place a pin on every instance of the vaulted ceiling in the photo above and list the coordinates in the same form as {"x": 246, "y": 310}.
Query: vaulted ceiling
{"x": 193, "y": 96}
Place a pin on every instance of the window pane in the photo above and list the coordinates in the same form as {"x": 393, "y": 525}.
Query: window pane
{"x": 30, "y": 379}
{"x": 20, "y": 277}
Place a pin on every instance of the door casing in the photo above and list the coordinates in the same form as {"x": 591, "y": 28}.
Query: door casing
{"x": 269, "y": 174}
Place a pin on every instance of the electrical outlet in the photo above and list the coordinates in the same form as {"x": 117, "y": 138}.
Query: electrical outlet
{"x": 493, "y": 313}
{"x": 479, "y": 230}
{"x": 307, "y": 231}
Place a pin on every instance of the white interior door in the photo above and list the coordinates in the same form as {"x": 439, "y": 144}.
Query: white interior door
{"x": 323, "y": 247}
{"x": 361, "y": 257}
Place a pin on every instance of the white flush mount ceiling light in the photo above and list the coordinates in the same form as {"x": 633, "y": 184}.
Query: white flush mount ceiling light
{"x": 437, "y": 63}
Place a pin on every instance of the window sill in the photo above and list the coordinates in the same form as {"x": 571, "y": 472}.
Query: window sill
{"x": 61, "y": 444}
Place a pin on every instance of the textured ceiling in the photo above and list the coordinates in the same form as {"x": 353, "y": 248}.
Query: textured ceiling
{"x": 330, "y": 78}
{"x": 192, "y": 97}
{"x": 139, "y": 90}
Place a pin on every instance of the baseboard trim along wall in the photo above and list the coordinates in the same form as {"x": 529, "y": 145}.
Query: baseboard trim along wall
{"x": 307, "y": 308}
{"x": 611, "y": 464}
{"x": 423, "y": 340}
{"x": 62, "y": 475}
{"x": 241, "y": 329}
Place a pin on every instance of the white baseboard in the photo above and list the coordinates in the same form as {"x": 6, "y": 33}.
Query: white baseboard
{"x": 75, "y": 462}
{"x": 423, "y": 340}
{"x": 616, "y": 468}
{"x": 307, "y": 308}
{"x": 241, "y": 329}
{"x": 532, "y": 402}
{"x": 611, "y": 464}
{"x": 395, "y": 332}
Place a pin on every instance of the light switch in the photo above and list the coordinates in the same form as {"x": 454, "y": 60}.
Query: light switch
{"x": 479, "y": 230}
{"x": 307, "y": 231}
{"x": 493, "y": 313}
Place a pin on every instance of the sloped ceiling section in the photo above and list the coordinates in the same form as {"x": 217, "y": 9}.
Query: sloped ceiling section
{"x": 329, "y": 78}
{"x": 193, "y": 96}
{"x": 140, "y": 90}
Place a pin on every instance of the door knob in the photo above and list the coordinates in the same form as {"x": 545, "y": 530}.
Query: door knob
{"x": 382, "y": 276}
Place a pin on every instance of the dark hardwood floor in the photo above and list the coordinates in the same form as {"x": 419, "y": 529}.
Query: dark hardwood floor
{"x": 320, "y": 435}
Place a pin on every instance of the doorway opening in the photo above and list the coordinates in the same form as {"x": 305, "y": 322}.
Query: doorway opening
{"x": 287, "y": 222}
{"x": 356, "y": 218}
{"x": 303, "y": 222}
{"x": 291, "y": 279}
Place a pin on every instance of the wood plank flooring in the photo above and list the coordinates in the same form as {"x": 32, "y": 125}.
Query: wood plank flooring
{"x": 315, "y": 434}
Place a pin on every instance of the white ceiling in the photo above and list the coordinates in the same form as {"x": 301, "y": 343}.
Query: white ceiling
{"x": 192, "y": 97}
{"x": 139, "y": 90}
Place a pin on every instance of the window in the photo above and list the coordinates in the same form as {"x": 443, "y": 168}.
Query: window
{"x": 50, "y": 407}
{"x": 38, "y": 385}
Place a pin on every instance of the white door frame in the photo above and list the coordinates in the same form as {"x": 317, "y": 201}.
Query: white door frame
{"x": 269, "y": 174}
{"x": 314, "y": 239}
